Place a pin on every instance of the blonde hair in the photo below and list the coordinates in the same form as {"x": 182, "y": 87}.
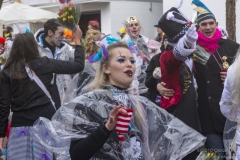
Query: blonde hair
{"x": 101, "y": 79}
{"x": 90, "y": 45}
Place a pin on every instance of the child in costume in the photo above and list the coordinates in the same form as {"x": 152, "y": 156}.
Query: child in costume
{"x": 110, "y": 122}
{"x": 69, "y": 39}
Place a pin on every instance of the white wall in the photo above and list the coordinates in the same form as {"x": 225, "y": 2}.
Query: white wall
{"x": 120, "y": 10}
{"x": 103, "y": 7}
{"x": 216, "y": 6}
{"x": 105, "y": 16}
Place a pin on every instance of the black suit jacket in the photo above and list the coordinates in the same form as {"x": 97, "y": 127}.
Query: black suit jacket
{"x": 210, "y": 88}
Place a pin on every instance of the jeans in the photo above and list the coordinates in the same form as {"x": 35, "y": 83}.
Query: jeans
{"x": 214, "y": 143}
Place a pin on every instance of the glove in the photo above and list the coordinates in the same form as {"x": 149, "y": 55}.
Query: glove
{"x": 157, "y": 73}
{"x": 191, "y": 34}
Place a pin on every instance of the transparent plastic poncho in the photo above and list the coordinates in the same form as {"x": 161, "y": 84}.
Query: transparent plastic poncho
{"x": 155, "y": 134}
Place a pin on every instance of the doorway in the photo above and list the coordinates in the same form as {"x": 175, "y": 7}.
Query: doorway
{"x": 86, "y": 17}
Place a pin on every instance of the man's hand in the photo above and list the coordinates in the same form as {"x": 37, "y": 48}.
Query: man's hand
{"x": 223, "y": 76}
{"x": 166, "y": 93}
{"x": 77, "y": 34}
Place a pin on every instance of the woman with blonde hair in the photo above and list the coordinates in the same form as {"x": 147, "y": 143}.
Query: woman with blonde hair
{"x": 91, "y": 47}
{"x": 110, "y": 122}
{"x": 81, "y": 80}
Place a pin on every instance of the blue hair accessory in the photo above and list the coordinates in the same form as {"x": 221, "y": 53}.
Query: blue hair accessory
{"x": 27, "y": 30}
{"x": 111, "y": 40}
{"x": 131, "y": 47}
{"x": 96, "y": 57}
{"x": 102, "y": 53}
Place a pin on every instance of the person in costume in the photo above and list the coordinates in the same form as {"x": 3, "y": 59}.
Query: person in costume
{"x": 144, "y": 46}
{"x": 178, "y": 85}
{"x": 68, "y": 37}
{"x": 50, "y": 44}
{"x": 212, "y": 58}
{"x": 110, "y": 122}
{"x": 122, "y": 32}
{"x": 26, "y": 90}
{"x": 94, "y": 24}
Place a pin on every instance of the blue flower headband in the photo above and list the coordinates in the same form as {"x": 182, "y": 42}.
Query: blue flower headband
{"x": 105, "y": 42}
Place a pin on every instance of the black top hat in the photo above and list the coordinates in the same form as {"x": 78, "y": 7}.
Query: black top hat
{"x": 174, "y": 24}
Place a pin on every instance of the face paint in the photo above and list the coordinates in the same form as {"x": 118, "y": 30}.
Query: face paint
{"x": 56, "y": 38}
{"x": 132, "y": 60}
{"x": 122, "y": 59}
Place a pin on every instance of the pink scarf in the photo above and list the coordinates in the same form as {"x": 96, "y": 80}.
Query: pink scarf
{"x": 209, "y": 44}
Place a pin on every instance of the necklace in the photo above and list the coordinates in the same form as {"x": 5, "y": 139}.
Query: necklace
{"x": 225, "y": 64}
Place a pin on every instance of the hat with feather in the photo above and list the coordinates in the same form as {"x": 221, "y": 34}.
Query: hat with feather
{"x": 203, "y": 12}
{"x": 174, "y": 23}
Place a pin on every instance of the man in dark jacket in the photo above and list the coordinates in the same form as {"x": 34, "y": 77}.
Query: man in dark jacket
{"x": 212, "y": 58}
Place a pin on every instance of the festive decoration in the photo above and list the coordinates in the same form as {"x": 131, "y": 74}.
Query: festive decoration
{"x": 104, "y": 43}
{"x": 123, "y": 123}
{"x": 203, "y": 12}
{"x": 69, "y": 14}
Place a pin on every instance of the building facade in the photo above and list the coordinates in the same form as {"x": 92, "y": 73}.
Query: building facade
{"x": 110, "y": 13}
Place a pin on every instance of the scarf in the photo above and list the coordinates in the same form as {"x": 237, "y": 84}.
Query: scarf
{"x": 209, "y": 44}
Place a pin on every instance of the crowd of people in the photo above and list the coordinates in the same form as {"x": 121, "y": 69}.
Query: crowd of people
{"x": 65, "y": 97}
